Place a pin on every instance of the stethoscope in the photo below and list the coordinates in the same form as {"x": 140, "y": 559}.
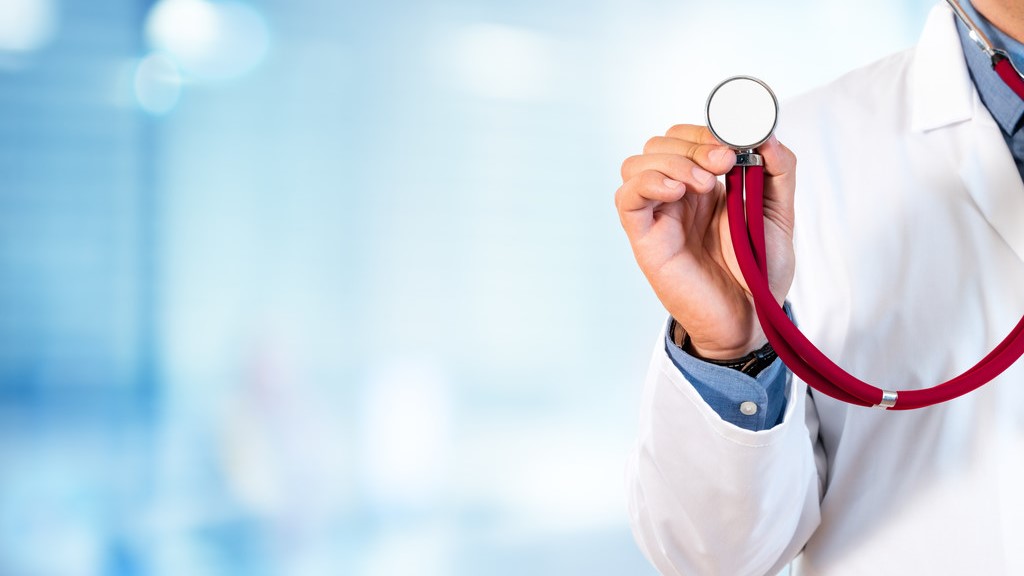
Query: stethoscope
{"x": 742, "y": 113}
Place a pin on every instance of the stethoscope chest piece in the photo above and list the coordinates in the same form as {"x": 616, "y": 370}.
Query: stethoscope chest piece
{"x": 742, "y": 112}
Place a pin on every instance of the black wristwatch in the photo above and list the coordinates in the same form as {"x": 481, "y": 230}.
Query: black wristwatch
{"x": 752, "y": 364}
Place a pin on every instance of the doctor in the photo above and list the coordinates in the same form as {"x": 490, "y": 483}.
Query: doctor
{"x": 900, "y": 244}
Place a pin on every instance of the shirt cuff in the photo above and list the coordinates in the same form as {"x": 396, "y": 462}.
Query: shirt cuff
{"x": 750, "y": 403}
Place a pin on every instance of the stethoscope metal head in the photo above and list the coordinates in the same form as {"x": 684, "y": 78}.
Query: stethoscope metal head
{"x": 976, "y": 33}
{"x": 742, "y": 112}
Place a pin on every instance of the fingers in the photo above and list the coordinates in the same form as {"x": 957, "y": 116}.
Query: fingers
{"x": 636, "y": 199}
{"x": 647, "y": 189}
{"x": 714, "y": 157}
{"x": 710, "y": 153}
{"x": 685, "y": 160}
{"x": 692, "y": 133}
{"x": 675, "y": 166}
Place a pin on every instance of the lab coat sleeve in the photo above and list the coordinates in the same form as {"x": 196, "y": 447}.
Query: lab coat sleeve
{"x": 726, "y": 389}
{"x": 707, "y": 497}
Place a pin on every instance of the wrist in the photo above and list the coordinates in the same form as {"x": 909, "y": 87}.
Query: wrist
{"x": 750, "y": 359}
{"x": 723, "y": 353}
{"x": 682, "y": 339}
{"x": 751, "y": 364}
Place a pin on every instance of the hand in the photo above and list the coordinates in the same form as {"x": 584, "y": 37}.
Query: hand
{"x": 672, "y": 208}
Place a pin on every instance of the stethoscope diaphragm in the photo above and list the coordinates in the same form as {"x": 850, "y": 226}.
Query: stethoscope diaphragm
{"x": 742, "y": 112}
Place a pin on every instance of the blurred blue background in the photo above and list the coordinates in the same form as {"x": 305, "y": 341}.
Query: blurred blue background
{"x": 308, "y": 287}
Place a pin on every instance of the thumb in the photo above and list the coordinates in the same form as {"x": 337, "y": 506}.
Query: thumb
{"x": 780, "y": 176}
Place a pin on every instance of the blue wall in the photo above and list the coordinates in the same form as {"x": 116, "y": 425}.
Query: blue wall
{"x": 316, "y": 287}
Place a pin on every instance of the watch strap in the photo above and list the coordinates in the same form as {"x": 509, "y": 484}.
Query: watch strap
{"x": 752, "y": 364}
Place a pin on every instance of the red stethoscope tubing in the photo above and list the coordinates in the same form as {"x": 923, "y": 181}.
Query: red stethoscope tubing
{"x": 746, "y": 226}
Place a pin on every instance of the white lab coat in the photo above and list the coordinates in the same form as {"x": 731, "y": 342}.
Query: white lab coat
{"x": 910, "y": 269}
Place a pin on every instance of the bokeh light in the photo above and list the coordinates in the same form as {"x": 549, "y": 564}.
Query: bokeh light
{"x": 26, "y": 25}
{"x": 209, "y": 41}
{"x": 359, "y": 302}
{"x": 157, "y": 84}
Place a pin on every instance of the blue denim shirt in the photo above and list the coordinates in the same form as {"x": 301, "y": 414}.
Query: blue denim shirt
{"x": 725, "y": 389}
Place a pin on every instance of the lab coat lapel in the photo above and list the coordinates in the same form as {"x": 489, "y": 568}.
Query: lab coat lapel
{"x": 940, "y": 85}
{"x": 993, "y": 181}
{"x": 943, "y": 98}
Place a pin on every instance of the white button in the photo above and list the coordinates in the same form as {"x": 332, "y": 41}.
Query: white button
{"x": 748, "y": 408}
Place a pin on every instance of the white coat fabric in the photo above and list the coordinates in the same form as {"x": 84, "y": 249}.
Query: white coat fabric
{"x": 910, "y": 269}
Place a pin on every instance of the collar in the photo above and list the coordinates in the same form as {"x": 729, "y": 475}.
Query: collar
{"x": 941, "y": 91}
{"x": 1004, "y": 105}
